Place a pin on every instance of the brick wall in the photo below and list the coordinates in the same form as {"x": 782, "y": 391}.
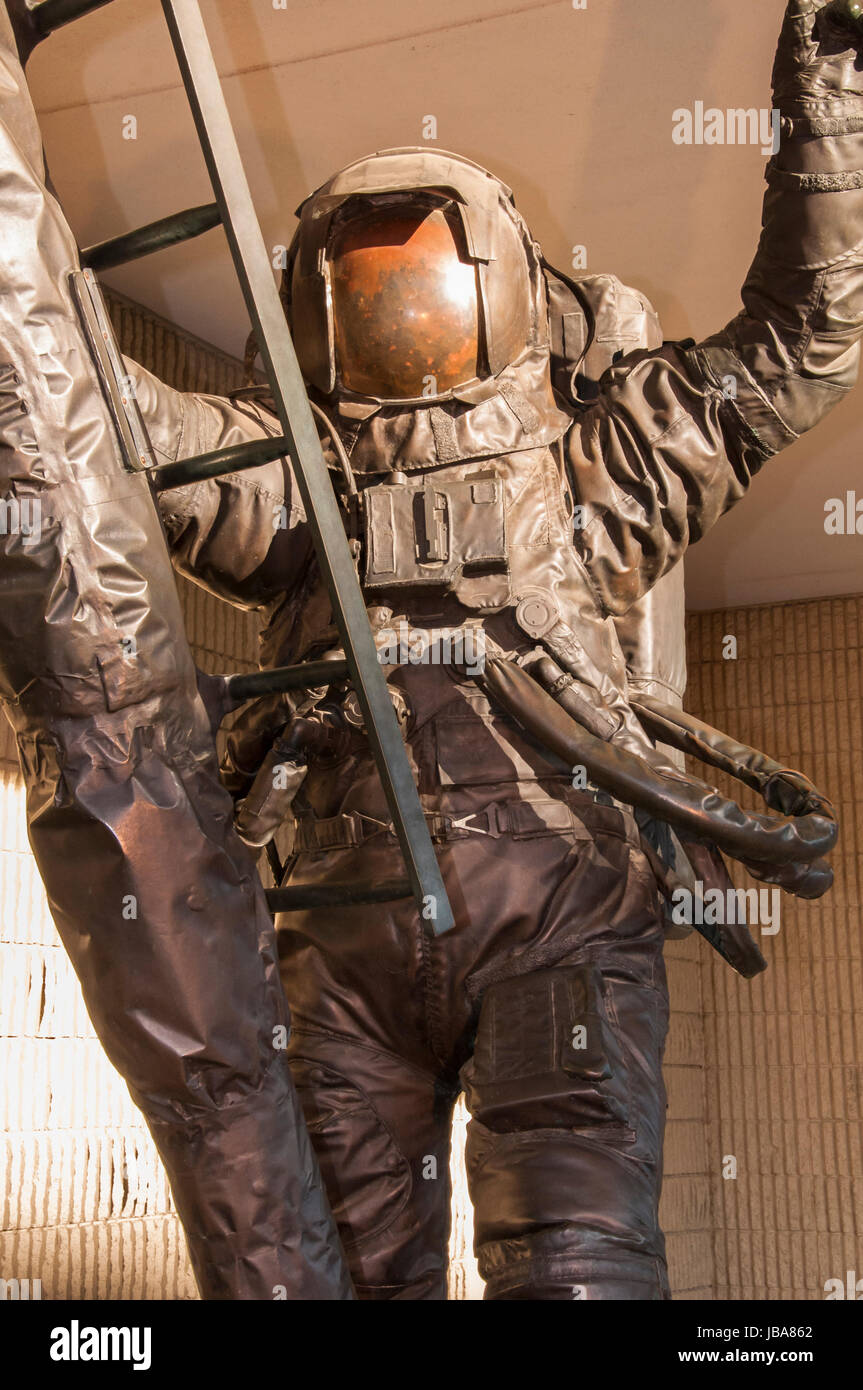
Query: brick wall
{"x": 784, "y": 1052}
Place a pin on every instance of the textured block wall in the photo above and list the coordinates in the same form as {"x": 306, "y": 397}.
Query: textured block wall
{"x": 784, "y": 1053}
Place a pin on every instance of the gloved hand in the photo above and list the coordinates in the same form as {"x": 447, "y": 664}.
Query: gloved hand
{"x": 847, "y": 14}
{"x": 796, "y": 348}
{"x": 818, "y": 87}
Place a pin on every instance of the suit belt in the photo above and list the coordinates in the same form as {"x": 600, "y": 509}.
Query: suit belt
{"x": 522, "y": 820}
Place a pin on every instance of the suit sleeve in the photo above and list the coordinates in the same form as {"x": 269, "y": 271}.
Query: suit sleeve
{"x": 677, "y": 434}
{"x": 244, "y": 536}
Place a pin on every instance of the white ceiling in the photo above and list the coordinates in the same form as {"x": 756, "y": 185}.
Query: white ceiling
{"x": 572, "y": 107}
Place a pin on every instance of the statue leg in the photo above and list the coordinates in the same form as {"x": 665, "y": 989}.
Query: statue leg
{"x": 564, "y": 1148}
{"x": 377, "y": 1100}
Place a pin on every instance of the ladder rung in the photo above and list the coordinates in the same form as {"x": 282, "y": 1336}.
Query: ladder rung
{"x": 156, "y": 236}
{"x": 53, "y": 14}
{"x": 294, "y": 899}
{"x": 309, "y": 674}
{"x": 218, "y": 463}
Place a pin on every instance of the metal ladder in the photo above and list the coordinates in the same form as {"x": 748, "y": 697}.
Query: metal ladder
{"x": 234, "y": 210}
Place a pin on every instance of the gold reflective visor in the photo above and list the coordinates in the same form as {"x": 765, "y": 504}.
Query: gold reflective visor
{"x": 405, "y": 303}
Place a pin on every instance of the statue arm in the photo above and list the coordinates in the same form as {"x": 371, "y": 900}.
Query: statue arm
{"x": 678, "y": 433}
{"x": 244, "y": 536}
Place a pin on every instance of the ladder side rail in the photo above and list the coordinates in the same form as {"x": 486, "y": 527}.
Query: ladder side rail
{"x": 230, "y": 185}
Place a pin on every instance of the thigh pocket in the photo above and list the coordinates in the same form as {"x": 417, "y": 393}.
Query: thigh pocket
{"x": 367, "y": 1178}
{"x": 548, "y": 1054}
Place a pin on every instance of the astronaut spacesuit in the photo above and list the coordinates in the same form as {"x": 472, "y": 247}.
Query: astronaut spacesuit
{"x": 491, "y": 485}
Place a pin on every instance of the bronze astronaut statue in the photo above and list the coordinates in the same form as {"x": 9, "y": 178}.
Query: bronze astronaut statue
{"x": 521, "y": 460}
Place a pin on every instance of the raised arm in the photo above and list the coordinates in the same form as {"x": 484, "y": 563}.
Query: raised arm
{"x": 678, "y": 433}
